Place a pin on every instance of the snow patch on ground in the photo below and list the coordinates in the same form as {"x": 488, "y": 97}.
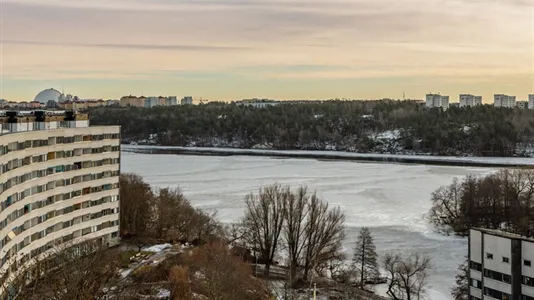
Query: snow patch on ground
{"x": 388, "y": 135}
{"x": 163, "y": 294}
{"x": 157, "y": 248}
{"x": 125, "y": 273}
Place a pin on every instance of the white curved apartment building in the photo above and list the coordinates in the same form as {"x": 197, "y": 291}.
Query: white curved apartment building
{"x": 59, "y": 182}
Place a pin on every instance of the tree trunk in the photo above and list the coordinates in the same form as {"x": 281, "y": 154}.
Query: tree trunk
{"x": 293, "y": 271}
{"x": 267, "y": 269}
{"x": 363, "y": 265}
{"x": 306, "y": 270}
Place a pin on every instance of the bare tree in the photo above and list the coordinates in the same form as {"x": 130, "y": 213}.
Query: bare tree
{"x": 445, "y": 212}
{"x": 337, "y": 267}
{"x": 170, "y": 213}
{"x": 503, "y": 200}
{"x": 204, "y": 226}
{"x": 142, "y": 240}
{"x": 461, "y": 290}
{"x": 82, "y": 271}
{"x": 295, "y": 212}
{"x": 325, "y": 231}
{"x": 136, "y": 200}
{"x": 264, "y": 218}
{"x": 218, "y": 275}
{"x": 407, "y": 276}
{"x": 180, "y": 283}
{"x": 365, "y": 259}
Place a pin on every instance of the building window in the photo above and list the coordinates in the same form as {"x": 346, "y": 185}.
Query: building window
{"x": 505, "y": 260}
{"x": 489, "y": 256}
{"x": 528, "y": 281}
{"x": 475, "y": 266}
{"x": 476, "y": 283}
{"x": 496, "y": 294}
{"x": 497, "y": 276}
{"x": 527, "y": 263}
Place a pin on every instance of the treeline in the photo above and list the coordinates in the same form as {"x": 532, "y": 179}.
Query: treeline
{"x": 338, "y": 125}
{"x": 503, "y": 200}
{"x": 150, "y": 216}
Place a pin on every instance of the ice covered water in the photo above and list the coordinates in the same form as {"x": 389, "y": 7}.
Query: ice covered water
{"x": 391, "y": 199}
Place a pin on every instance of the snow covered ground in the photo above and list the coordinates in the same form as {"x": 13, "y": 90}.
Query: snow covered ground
{"x": 157, "y": 248}
{"x": 391, "y": 199}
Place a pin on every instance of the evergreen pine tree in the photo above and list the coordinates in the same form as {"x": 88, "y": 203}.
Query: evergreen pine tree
{"x": 461, "y": 290}
{"x": 365, "y": 260}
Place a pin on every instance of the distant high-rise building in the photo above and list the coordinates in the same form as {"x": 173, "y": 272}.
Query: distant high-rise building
{"x": 171, "y": 100}
{"x": 531, "y": 101}
{"x": 470, "y": 100}
{"x": 152, "y": 101}
{"x": 437, "y": 100}
{"x": 187, "y": 100}
{"x": 147, "y": 101}
{"x": 501, "y": 100}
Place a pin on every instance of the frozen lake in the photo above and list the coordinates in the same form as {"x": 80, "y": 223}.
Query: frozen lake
{"x": 391, "y": 199}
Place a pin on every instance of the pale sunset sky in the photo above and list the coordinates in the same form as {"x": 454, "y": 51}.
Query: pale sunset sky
{"x": 280, "y": 49}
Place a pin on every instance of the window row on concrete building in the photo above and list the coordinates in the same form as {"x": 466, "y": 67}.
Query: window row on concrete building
{"x": 500, "y": 265}
{"x": 56, "y": 186}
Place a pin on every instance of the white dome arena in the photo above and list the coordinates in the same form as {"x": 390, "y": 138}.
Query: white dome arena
{"x": 47, "y": 95}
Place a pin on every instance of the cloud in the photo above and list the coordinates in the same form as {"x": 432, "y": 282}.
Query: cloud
{"x": 265, "y": 39}
{"x": 169, "y": 47}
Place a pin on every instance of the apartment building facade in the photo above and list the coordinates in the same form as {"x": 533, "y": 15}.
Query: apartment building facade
{"x": 500, "y": 265}
{"x": 436, "y": 100}
{"x": 470, "y": 100}
{"x": 501, "y": 100}
{"x": 59, "y": 183}
{"x": 148, "y": 101}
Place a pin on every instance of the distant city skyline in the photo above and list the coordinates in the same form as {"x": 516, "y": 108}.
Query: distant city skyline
{"x": 277, "y": 49}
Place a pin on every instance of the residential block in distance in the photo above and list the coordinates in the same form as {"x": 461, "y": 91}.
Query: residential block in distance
{"x": 436, "y": 100}
{"x": 501, "y": 100}
{"x": 531, "y": 101}
{"x": 470, "y": 100}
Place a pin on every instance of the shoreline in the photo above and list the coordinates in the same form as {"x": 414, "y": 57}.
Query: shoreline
{"x": 489, "y": 162}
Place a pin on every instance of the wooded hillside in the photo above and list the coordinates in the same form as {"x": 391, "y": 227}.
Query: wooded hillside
{"x": 361, "y": 126}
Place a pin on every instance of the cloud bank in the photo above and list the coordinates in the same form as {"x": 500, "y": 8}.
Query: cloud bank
{"x": 212, "y": 47}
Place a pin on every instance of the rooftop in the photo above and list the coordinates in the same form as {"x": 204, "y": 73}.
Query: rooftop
{"x": 505, "y": 234}
{"x": 18, "y": 121}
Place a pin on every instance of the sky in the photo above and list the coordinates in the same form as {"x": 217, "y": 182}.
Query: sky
{"x": 278, "y": 49}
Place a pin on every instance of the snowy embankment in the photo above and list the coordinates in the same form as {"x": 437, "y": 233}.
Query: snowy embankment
{"x": 416, "y": 159}
{"x": 157, "y": 248}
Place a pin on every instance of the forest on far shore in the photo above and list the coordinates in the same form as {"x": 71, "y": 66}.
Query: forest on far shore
{"x": 398, "y": 127}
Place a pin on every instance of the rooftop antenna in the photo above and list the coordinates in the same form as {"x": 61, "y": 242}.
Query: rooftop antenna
{"x": 403, "y": 96}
